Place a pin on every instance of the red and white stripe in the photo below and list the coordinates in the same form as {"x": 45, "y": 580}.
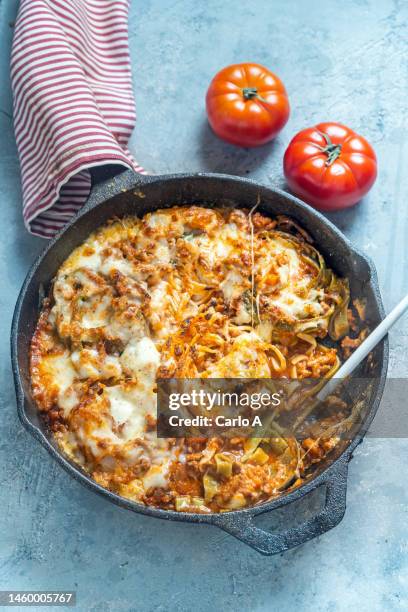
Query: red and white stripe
{"x": 73, "y": 102}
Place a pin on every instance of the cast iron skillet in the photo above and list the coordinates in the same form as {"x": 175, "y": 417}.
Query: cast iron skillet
{"x": 129, "y": 193}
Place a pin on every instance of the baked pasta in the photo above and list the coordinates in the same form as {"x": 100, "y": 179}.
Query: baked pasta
{"x": 184, "y": 292}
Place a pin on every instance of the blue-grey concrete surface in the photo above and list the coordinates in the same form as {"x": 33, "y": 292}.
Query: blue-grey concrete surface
{"x": 345, "y": 61}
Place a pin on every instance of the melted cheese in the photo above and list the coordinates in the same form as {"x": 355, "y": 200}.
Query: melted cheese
{"x": 89, "y": 258}
{"x": 140, "y": 359}
{"x": 68, "y": 399}
{"x": 155, "y": 477}
{"x": 89, "y": 363}
{"x": 116, "y": 262}
{"x": 161, "y": 313}
{"x": 291, "y": 297}
{"x": 59, "y": 371}
{"x": 245, "y": 360}
{"x": 127, "y": 407}
{"x": 96, "y": 314}
{"x": 232, "y": 285}
{"x": 121, "y": 298}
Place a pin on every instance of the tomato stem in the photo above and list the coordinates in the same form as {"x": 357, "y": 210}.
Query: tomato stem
{"x": 250, "y": 93}
{"x": 332, "y": 151}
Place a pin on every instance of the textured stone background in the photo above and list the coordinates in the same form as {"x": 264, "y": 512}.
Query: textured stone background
{"x": 345, "y": 61}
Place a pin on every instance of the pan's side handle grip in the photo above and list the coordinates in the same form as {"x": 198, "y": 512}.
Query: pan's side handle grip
{"x": 111, "y": 179}
{"x": 242, "y": 525}
{"x": 100, "y": 174}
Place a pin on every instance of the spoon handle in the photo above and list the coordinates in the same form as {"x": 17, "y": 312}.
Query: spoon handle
{"x": 365, "y": 348}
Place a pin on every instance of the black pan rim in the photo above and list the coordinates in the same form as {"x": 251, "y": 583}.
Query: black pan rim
{"x": 214, "y": 518}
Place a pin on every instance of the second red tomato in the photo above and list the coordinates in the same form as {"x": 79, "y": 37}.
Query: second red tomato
{"x": 330, "y": 166}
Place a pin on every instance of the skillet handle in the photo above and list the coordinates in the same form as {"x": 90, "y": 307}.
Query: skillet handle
{"x": 271, "y": 543}
{"x": 111, "y": 179}
{"x": 99, "y": 174}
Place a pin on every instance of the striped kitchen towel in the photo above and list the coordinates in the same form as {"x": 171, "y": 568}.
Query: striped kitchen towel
{"x": 73, "y": 102}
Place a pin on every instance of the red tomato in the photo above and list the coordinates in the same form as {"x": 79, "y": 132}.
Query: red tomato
{"x": 330, "y": 166}
{"x": 247, "y": 105}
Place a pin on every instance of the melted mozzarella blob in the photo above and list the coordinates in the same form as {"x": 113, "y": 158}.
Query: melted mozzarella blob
{"x": 140, "y": 359}
{"x": 245, "y": 360}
